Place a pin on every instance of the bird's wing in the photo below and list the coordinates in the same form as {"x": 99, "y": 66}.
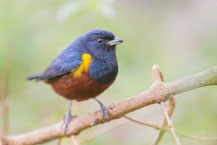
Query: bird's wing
{"x": 63, "y": 64}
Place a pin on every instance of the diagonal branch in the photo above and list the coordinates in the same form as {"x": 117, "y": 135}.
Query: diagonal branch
{"x": 116, "y": 110}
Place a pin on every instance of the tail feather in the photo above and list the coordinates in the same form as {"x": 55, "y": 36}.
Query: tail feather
{"x": 35, "y": 77}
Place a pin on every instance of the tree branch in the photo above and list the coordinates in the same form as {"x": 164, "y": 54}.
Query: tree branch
{"x": 116, "y": 110}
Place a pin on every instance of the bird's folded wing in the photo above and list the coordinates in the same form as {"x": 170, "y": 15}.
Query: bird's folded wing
{"x": 63, "y": 64}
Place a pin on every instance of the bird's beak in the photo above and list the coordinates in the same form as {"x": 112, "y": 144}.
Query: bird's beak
{"x": 115, "y": 41}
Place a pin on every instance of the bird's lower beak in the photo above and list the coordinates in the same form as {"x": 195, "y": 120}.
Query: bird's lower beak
{"x": 115, "y": 41}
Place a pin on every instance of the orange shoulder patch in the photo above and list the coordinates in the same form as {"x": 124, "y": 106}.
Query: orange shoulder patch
{"x": 84, "y": 66}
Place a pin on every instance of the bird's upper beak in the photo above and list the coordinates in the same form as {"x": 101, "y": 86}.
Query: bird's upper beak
{"x": 115, "y": 41}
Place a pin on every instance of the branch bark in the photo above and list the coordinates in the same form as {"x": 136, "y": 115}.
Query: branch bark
{"x": 159, "y": 92}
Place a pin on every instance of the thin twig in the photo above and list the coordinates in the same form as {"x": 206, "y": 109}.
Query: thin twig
{"x": 172, "y": 106}
{"x": 74, "y": 140}
{"x": 3, "y": 92}
{"x": 59, "y": 141}
{"x": 170, "y": 123}
{"x": 4, "y": 100}
{"x": 145, "y": 124}
{"x": 158, "y": 78}
{"x": 116, "y": 110}
{"x": 5, "y": 117}
{"x": 90, "y": 135}
{"x": 198, "y": 138}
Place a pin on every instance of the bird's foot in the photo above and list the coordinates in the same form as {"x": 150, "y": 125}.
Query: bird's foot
{"x": 103, "y": 109}
{"x": 66, "y": 121}
{"x": 68, "y": 118}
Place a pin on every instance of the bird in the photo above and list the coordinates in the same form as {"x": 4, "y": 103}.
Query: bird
{"x": 85, "y": 69}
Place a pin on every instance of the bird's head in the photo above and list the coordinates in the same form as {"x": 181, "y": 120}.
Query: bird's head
{"x": 100, "y": 41}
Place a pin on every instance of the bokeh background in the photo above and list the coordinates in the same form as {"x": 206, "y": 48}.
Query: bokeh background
{"x": 180, "y": 36}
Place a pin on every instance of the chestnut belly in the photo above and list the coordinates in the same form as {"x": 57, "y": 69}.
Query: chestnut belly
{"x": 79, "y": 88}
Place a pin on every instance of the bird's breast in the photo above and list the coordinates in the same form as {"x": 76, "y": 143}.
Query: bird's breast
{"x": 78, "y": 88}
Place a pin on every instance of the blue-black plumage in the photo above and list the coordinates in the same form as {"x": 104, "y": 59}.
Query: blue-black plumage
{"x": 85, "y": 68}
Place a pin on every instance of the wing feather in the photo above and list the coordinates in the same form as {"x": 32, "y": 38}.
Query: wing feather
{"x": 63, "y": 64}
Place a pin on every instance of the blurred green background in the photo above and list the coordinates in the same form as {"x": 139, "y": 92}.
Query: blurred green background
{"x": 180, "y": 36}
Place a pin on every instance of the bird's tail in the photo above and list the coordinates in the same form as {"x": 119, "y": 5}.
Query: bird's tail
{"x": 35, "y": 77}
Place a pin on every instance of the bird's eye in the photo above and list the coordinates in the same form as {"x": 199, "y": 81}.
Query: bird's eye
{"x": 100, "y": 40}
